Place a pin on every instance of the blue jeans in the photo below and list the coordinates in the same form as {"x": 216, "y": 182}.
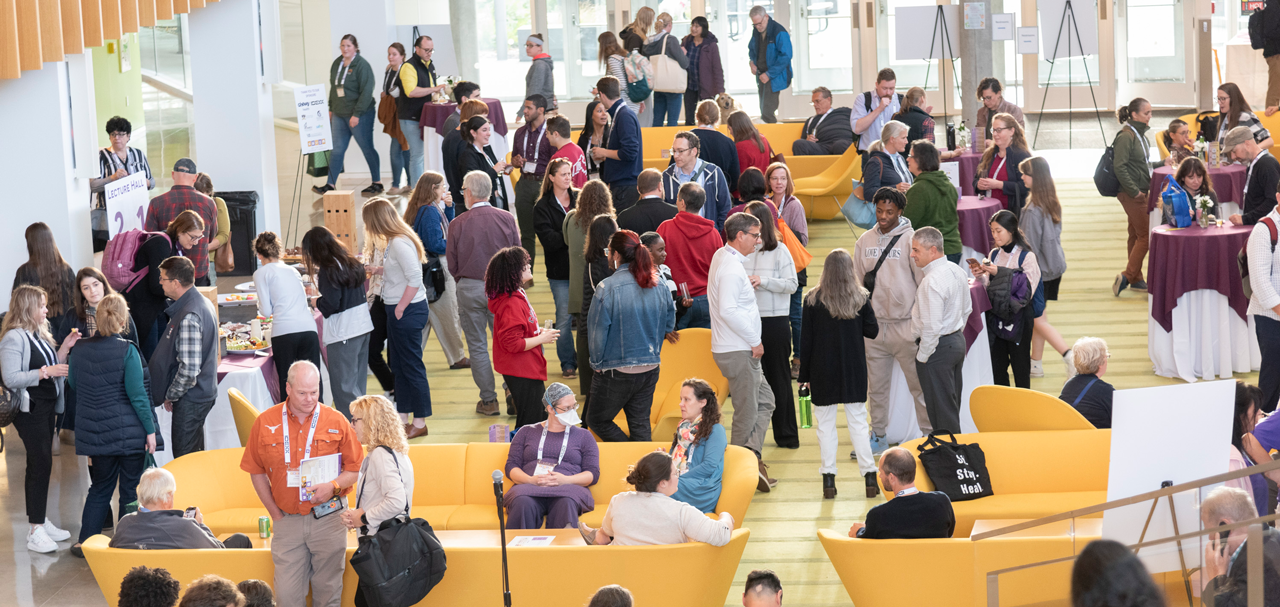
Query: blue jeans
{"x": 342, "y": 134}
{"x": 795, "y": 316}
{"x": 564, "y": 323}
{"x": 667, "y": 105}
{"x": 399, "y": 163}
{"x": 404, "y": 349}
{"x": 698, "y": 316}
{"x": 104, "y": 475}
{"x": 413, "y": 135}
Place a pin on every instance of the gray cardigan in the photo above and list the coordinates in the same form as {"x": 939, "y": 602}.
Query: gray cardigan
{"x": 15, "y": 354}
{"x": 1045, "y": 238}
{"x": 655, "y": 46}
{"x": 384, "y": 491}
{"x": 539, "y": 80}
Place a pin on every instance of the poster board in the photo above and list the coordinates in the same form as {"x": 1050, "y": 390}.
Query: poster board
{"x": 127, "y": 202}
{"x": 1168, "y": 433}
{"x": 975, "y": 15}
{"x": 314, "y": 130}
{"x": 445, "y": 59}
{"x": 1060, "y": 39}
{"x": 1002, "y": 26}
{"x": 952, "y": 170}
{"x": 1028, "y": 40}
{"x": 912, "y": 24}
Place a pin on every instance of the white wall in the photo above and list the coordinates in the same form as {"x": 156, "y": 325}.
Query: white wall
{"x": 235, "y": 134}
{"x": 40, "y": 154}
{"x": 372, "y": 22}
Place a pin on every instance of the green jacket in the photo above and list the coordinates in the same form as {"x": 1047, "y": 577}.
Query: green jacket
{"x": 1132, "y": 166}
{"x": 357, "y": 89}
{"x": 931, "y": 201}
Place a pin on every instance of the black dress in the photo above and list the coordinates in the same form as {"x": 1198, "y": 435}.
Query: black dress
{"x": 833, "y": 356}
{"x": 470, "y": 159}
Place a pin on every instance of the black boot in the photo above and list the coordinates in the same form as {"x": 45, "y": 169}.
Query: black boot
{"x": 873, "y": 489}
{"x": 828, "y": 486}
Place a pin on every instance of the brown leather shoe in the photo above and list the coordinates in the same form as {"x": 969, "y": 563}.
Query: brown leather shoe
{"x": 415, "y": 432}
{"x": 487, "y": 408}
{"x": 465, "y": 363}
{"x": 765, "y": 484}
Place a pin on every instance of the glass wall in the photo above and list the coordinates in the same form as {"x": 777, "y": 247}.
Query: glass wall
{"x": 732, "y": 28}
{"x": 1154, "y": 54}
{"x": 165, "y": 51}
{"x": 823, "y": 42}
{"x": 1064, "y": 71}
{"x": 501, "y": 28}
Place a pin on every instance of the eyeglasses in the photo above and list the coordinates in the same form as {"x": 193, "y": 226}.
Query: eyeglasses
{"x": 988, "y": 97}
{"x": 428, "y": 50}
{"x": 119, "y": 135}
{"x": 680, "y": 150}
{"x": 755, "y": 235}
{"x": 195, "y": 237}
{"x": 559, "y": 410}
{"x": 356, "y": 419}
{"x": 1001, "y": 129}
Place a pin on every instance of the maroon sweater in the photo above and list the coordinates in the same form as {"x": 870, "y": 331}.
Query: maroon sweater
{"x": 475, "y": 236}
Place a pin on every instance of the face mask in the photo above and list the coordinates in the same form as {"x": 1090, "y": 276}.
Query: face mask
{"x": 569, "y": 418}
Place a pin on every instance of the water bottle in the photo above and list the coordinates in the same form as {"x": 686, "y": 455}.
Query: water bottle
{"x": 806, "y": 408}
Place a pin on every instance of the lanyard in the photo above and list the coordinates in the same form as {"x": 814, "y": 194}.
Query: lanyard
{"x": 343, "y": 73}
{"x": 1146, "y": 147}
{"x": 564, "y": 446}
{"x": 537, "y": 145}
{"x": 910, "y": 491}
{"x": 814, "y": 131}
{"x": 315, "y": 417}
{"x": 533, "y": 316}
{"x": 900, "y": 165}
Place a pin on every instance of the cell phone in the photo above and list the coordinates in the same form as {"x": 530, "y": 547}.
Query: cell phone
{"x": 189, "y": 512}
{"x": 333, "y": 505}
{"x": 973, "y": 262}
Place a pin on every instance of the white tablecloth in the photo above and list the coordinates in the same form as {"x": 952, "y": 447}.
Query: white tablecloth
{"x": 902, "y": 424}
{"x": 1209, "y": 340}
{"x": 433, "y": 158}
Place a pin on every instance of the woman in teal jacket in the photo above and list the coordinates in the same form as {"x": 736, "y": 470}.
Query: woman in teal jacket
{"x": 351, "y": 113}
{"x": 698, "y": 447}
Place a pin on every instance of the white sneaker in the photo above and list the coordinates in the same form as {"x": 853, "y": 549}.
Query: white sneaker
{"x": 1069, "y": 359}
{"x": 54, "y": 533}
{"x": 1037, "y": 369}
{"x": 38, "y": 541}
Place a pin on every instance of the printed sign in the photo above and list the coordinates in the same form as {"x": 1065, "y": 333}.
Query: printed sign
{"x": 127, "y": 201}
{"x": 313, "y": 118}
{"x": 1028, "y": 40}
{"x": 975, "y": 15}
{"x": 1002, "y": 26}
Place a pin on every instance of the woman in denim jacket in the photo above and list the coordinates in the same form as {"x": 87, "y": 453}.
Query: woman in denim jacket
{"x": 631, "y": 313}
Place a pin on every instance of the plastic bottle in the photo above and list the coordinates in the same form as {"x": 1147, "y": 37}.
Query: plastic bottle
{"x": 806, "y": 408}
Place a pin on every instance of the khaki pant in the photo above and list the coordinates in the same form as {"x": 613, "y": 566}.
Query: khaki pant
{"x": 1273, "y": 81}
{"x": 309, "y": 551}
{"x": 1135, "y": 207}
{"x": 893, "y": 343}
{"x": 753, "y": 401}
{"x": 444, "y": 319}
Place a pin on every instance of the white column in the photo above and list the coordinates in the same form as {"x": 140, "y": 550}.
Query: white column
{"x": 234, "y": 124}
{"x": 373, "y": 23}
{"x": 41, "y": 153}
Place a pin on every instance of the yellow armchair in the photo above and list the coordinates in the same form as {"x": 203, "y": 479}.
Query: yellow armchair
{"x": 688, "y": 358}
{"x": 1005, "y": 409}
{"x": 836, "y": 183}
{"x": 244, "y": 413}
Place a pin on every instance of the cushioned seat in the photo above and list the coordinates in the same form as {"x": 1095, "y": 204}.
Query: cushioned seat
{"x": 232, "y": 520}
{"x": 688, "y": 358}
{"x": 1005, "y": 409}
{"x": 438, "y": 516}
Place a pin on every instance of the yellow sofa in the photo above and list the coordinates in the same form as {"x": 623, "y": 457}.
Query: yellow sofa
{"x": 657, "y": 142}
{"x": 688, "y": 358}
{"x": 453, "y": 487}
{"x": 701, "y": 577}
{"x": 1033, "y": 474}
{"x": 1005, "y": 409}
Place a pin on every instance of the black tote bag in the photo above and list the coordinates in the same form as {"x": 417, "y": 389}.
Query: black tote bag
{"x": 960, "y": 471}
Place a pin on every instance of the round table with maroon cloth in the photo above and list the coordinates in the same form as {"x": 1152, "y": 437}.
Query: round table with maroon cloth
{"x": 975, "y": 216}
{"x": 434, "y": 115}
{"x": 968, "y": 170}
{"x": 1228, "y": 183}
{"x": 1198, "y": 326}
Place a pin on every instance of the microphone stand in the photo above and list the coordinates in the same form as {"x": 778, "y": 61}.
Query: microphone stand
{"x": 502, "y": 531}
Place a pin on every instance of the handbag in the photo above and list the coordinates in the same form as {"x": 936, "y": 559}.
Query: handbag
{"x": 858, "y": 211}
{"x": 857, "y": 185}
{"x": 224, "y": 259}
{"x": 869, "y": 281}
{"x": 668, "y": 76}
{"x": 433, "y": 278}
{"x": 960, "y": 471}
{"x": 318, "y": 164}
{"x": 402, "y": 562}
{"x": 1178, "y": 204}
{"x": 800, "y": 255}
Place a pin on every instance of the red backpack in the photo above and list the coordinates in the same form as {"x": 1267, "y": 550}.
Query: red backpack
{"x": 120, "y": 258}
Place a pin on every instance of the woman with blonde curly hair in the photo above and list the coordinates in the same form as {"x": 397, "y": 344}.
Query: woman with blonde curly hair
{"x": 386, "y": 476}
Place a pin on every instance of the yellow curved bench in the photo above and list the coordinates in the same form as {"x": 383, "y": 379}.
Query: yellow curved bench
{"x": 835, "y": 182}
{"x": 244, "y": 413}
{"x": 453, "y": 486}
{"x": 1033, "y": 474}
{"x": 702, "y": 578}
{"x": 690, "y": 357}
{"x": 1005, "y": 409}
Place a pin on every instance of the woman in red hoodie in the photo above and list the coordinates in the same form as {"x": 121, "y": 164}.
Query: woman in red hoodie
{"x": 517, "y": 338}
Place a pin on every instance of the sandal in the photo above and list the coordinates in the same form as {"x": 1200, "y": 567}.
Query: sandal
{"x": 588, "y": 534}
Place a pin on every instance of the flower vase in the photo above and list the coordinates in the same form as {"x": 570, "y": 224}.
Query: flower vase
{"x": 1202, "y": 218}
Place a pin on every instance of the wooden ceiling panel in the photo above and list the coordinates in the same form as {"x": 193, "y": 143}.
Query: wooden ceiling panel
{"x": 72, "y": 27}
{"x": 51, "y": 30}
{"x": 111, "y": 29}
{"x": 10, "y": 64}
{"x": 29, "y": 53}
{"x": 91, "y": 17}
{"x": 147, "y": 13}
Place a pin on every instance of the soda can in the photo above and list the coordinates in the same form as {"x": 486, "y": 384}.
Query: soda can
{"x": 264, "y": 527}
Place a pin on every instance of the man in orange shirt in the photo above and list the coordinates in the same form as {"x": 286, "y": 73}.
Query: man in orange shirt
{"x": 305, "y": 550}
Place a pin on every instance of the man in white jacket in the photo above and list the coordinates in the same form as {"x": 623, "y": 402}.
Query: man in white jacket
{"x": 893, "y": 294}
{"x": 735, "y": 337}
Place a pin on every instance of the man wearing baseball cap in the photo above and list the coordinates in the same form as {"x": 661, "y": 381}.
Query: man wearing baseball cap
{"x": 181, "y": 197}
{"x": 1263, "y": 176}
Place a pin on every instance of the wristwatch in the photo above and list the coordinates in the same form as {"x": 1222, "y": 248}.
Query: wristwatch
{"x": 336, "y": 487}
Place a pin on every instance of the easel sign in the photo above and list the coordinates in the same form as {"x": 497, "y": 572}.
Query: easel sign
{"x": 944, "y": 22}
{"x": 314, "y": 131}
{"x": 1168, "y": 433}
{"x": 127, "y": 201}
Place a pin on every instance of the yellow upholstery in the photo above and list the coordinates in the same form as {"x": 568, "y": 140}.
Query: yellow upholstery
{"x": 244, "y": 414}
{"x": 453, "y": 484}
{"x": 1190, "y": 119}
{"x": 1271, "y": 123}
{"x": 823, "y": 194}
{"x": 702, "y": 578}
{"x": 1164, "y": 150}
{"x": 1033, "y": 474}
{"x": 690, "y": 357}
{"x": 1005, "y": 409}
{"x": 781, "y": 135}
{"x": 874, "y": 576}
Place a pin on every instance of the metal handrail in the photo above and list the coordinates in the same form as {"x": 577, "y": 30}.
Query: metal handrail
{"x": 1129, "y": 501}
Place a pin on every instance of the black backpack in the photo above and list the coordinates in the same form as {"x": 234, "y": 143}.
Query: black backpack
{"x": 1256, "y": 36}
{"x": 1104, "y": 176}
{"x": 866, "y": 102}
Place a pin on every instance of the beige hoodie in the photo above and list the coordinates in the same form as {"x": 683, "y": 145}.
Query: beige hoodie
{"x": 896, "y": 281}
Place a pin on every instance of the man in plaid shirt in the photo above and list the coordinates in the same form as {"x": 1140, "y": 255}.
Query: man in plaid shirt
{"x": 184, "y": 366}
{"x": 181, "y": 197}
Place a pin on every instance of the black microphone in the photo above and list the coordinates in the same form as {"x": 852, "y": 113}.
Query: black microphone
{"x": 502, "y": 531}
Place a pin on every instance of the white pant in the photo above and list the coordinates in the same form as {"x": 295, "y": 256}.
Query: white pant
{"x": 855, "y": 415}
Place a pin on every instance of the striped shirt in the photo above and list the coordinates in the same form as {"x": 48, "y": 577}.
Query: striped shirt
{"x": 619, "y": 71}
{"x": 942, "y": 305}
{"x": 190, "y": 353}
{"x": 108, "y": 163}
{"x": 1250, "y": 120}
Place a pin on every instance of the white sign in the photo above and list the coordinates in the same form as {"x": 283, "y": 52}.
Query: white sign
{"x": 1068, "y": 33}
{"x": 913, "y": 21}
{"x": 952, "y": 169}
{"x": 313, "y": 118}
{"x": 1168, "y": 433}
{"x": 975, "y": 15}
{"x": 1028, "y": 40}
{"x": 1002, "y": 26}
{"x": 127, "y": 202}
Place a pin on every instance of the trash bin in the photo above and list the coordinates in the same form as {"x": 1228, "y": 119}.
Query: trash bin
{"x": 242, "y": 207}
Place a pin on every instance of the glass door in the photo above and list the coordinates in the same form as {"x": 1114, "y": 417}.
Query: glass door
{"x": 1151, "y": 51}
{"x": 912, "y": 72}
{"x": 732, "y": 27}
{"x": 1075, "y": 82}
{"x": 574, "y": 28}
{"x": 823, "y": 45}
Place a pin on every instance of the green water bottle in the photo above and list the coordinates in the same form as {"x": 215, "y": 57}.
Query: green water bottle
{"x": 806, "y": 408}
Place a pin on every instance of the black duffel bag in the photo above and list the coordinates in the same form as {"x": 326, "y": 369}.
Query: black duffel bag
{"x": 960, "y": 471}
{"x": 401, "y": 563}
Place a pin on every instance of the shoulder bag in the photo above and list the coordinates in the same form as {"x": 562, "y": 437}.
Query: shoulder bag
{"x": 402, "y": 562}
{"x": 960, "y": 471}
{"x": 668, "y": 76}
{"x": 869, "y": 280}
{"x": 800, "y": 255}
